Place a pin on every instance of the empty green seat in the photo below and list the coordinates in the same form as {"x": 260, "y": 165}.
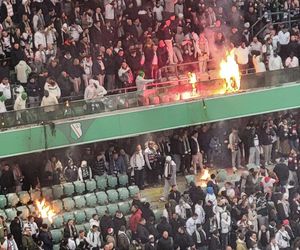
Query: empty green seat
{"x": 79, "y": 187}
{"x": 189, "y": 179}
{"x": 101, "y": 182}
{"x": 35, "y": 194}
{"x": 11, "y": 213}
{"x": 79, "y": 201}
{"x": 79, "y": 216}
{"x": 123, "y": 180}
{"x": 123, "y": 193}
{"x": 80, "y": 227}
{"x": 24, "y": 197}
{"x": 133, "y": 190}
{"x": 57, "y": 235}
{"x": 124, "y": 207}
{"x": 12, "y": 199}
{"x": 112, "y": 209}
{"x": 91, "y": 200}
{"x": 56, "y": 247}
{"x": 57, "y": 206}
{"x": 3, "y": 214}
{"x": 87, "y": 227}
{"x": 112, "y": 195}
{"x": 90, "y": 185}
{"x": 101, "y": 210}
{"x": 157, "y": 214}
{"x": 58, "y": 221}
{"x": 68, "y": 203}
{"x": 89, "y": 213}
{"x": 25, "y": 211}
{"x": 3, "y": 201}
{"x": 47, "y": 193}
{"x": 58, "y": 191}
{"x": 102, "y": 198}
{"x": 68, "y": 189}
{"x": 68, "y": 216}
{"x": 112, "y": 181}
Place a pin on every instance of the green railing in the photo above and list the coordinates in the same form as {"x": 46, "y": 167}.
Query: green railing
{"x": 157, "y": 94}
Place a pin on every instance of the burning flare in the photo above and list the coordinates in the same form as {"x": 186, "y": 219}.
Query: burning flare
{"x": 229, "y": 70}
{"x": 45, "y": 210}
{"x": 205, "y": 176}
{"x": 193, "y": 80}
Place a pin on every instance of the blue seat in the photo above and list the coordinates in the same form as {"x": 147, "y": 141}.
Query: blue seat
{"x": 90, "y": 185}
{"x": 124, "y": 207}
{"x": 58, "y": 221}
{"x": 47, "y": 193}
{"x": 101, "y": 182}
{"x": 102, "y": 198}
{"x": 3, "y": 201}
{"x": 57, "y": 206}
{"x": 68, "y": 216}
{"x": 12, "y": 199}
{"x": 101, "y": 210}
{"x": 123, "y": 193}
{"x": 69, "y": 204}
{"x": 57, "y": 236}
{"x": 24, "y": 197}
{"x": 133, "y": 190}
{"x": 112, "y": 181}
{"x": 112, "y": 195}
{"x": 80, "y": 201}
{"x": 79, "y": 187}
{"x": 91, "y": 200}
{"x": 89, "y": 212}
{"x": 112, "y": 209}
{"x": 80, "y": 216}
{"x": 35, "y": 194}
{"x": 123, "y": 180}
{"x": 58, "y": 191}
{"x": 69, "y": 189}
{"x": 11, "y": 213}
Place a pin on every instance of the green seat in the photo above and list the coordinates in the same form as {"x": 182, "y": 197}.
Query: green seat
{"x": 89, "y": 213}
{"x": 91, "y": 200}
{"x": 157, "y": 214}
{"x": 124, "y": 207}
{"x": 79, "y": 216}
{"x": 58, "y": 191}
{"x": 57, "y": 235}
{"x": 123, "y": 193}
{"x": 112, "y": 209}
{"x": 189, "y": 179}
{"x": 133, "y": 190}
{"x": 56, "y": 247}
{"x": 79, "y": 201}
{"x": 101, "y": 210}
{"x": 90, "y": 185}
{"x": 3, "y": 201}
{"x": 57, "y": 206}
{"x": 58, "y": 221}
{"x": 79, "y": 187}
{"x": 47, "y": 193}
{"x": 68, "y": 216}
{"x": 31, "y": 208}
{"x": 24, "y": 197}
{"x": 101, "y": 182}
{"x": 35, "y": 194}
{"x": 102, "y": 198}
{"x": 69, "y": 189}
{"x": 25, "y": 211}
{"x": 80, "y": 227}
{"x": 12, "y": 199}
{"x": 68, "y": 203}
{"x": 123, "y": 180}
{"x": 11, "y": 213}
{"x": 112, "y": 181}
{"x": 113, "y": 195}
{"x": 87, "y": 227}
{"x": 3, "y": 214}
{"x": 222, "y": 175}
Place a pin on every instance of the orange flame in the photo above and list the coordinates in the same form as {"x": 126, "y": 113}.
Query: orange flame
{"x": 229, "y": 70}
{"x": 193, "y": 80}
{"x": 45, "y": 210}
{"x": 205, "y": 176}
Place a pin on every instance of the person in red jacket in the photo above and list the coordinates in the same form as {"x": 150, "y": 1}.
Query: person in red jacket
{"x": 134, "y": 219}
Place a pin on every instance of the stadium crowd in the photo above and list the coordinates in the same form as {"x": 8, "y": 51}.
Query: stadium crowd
{"x": 58, "y": 50}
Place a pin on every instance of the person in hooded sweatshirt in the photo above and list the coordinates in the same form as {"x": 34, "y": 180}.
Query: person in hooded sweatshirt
{"x": 22, "y": 70}
{"x": 210, "y": 196}
{"x": 52, "y": 87}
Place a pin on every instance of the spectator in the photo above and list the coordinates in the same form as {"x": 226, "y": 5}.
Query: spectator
{"x": 291, "y": 61}
{"x": 71, "y": 171}
{"x": 84, "y": 171}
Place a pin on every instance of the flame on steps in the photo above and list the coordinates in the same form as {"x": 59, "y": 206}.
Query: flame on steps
{"x": 44, "y": 210}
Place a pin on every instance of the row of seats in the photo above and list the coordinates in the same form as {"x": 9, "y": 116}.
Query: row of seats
{"x": 90, "y": 200}
{"x": 68, "y": 189}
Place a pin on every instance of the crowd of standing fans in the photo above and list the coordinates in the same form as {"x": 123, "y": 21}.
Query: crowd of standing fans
{"x": 58, "y": 50}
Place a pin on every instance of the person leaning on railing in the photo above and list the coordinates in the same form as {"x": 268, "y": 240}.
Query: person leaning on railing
{"x": 48, "y": 102}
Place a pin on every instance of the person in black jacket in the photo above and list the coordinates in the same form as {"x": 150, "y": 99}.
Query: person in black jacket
{"x": 7, "y": 180}
{"x": 215, "y": 243}
{"x": 110, "y": 69}
{"x": 118, "y": 221}
{"x": 16, "y": 231}
{"x": 183, "y": 240}
{"x": 151, "y": 244}
{"x": 45, "y": 237}
{"x": 165, "y": 242}
{"x": 106, "y": 222}
{"x": 174, "y": 194}
{"x": 33, "y": 91}
{"x": 150, "y": 225}
{"x": 164, "y": 226}
{"x": 142, "y": 232}
{"x": 282, "y": 172}
{"x": 70, "y": 230}
{"x": 76, "y": 71}
{"x": 99, "y": 165}
{"x": 65, "y": 84}
{"x": 17, "y": 54}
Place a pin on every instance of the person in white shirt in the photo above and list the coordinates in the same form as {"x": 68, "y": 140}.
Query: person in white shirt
{"x": 95, "y": 221}
{"x": 52, "y": 87}
{"x": 242, "y": 56}
{"x": 225, "y": 224}
{"x": 33, "y": 227}
{"x": 255, "y": 45}
{"x": 284, "y": 40}
{"x": 94, "y": 238}
{"x": 283, "y": 238}
{"x": 258, "y": 63}
{"x": 110, "y": 11}
{"x": 87, "y": 65}
{"x": 169, "y": 175}
{"x": 40, "y": 39}
{"x": 5, "y": 88}
{"x": 200, "y": 212}
{"x": 137, "y": 162}
{"x": 158, "y": 12}
{"x": 9, "y": 243}
{"x": 292, "y": 61}
{"x": 81, "y": 241}
{"x": 191, "y": 224}
{"x": 275, "y": 62}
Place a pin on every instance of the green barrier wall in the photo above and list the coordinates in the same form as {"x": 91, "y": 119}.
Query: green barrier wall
{"x": 147, "y": 119}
